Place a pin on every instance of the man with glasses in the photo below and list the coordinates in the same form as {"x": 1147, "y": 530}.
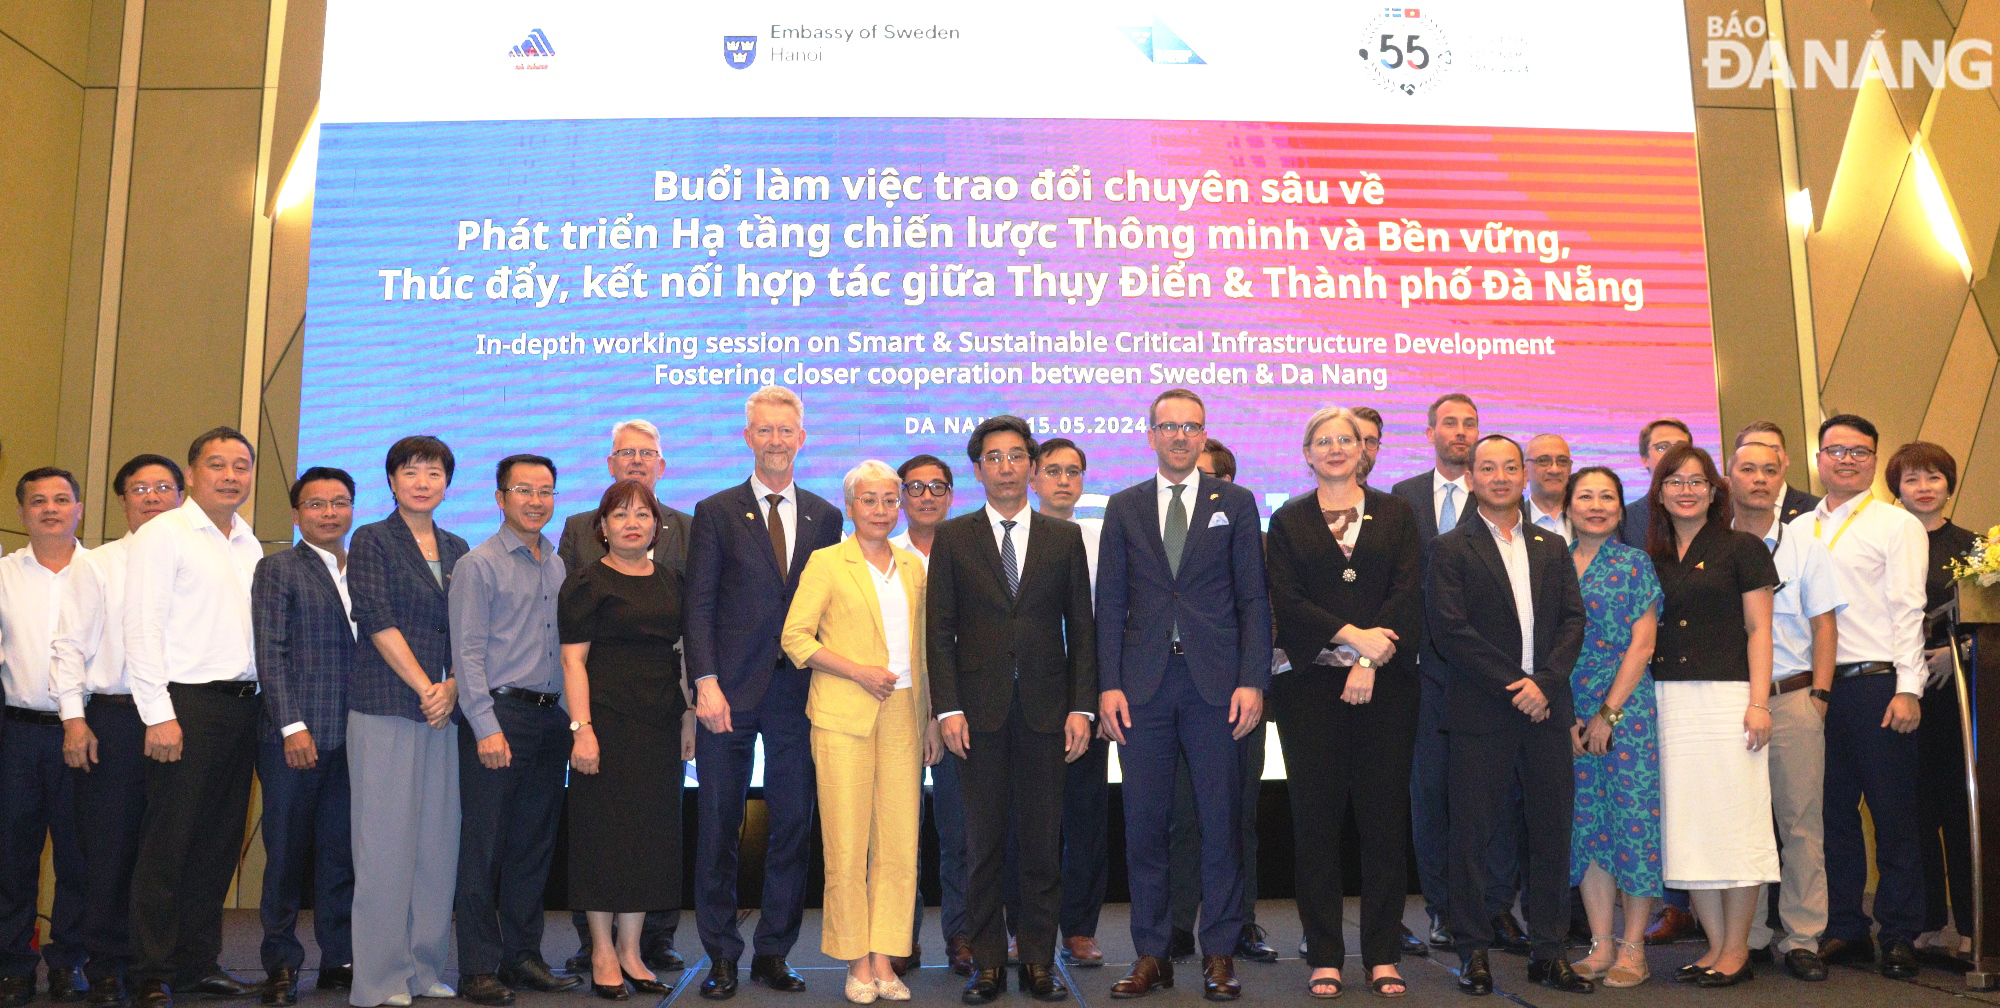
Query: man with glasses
{"x": 1014, "y": 685}
{"x": 1549, "y": 466}
{"x": 1654, "y": 440}
{"x": 191, "y": 653}
{"x": 1880, "y": 557}
{"x": 39, "y": 805}
{"x": 634, "y": 455}
{"x": 103, "y": 739}
{"x": 514, "y": 743}
{"x": 1183, "y": 656}
{"x": 1371, "y": 443}
{"x": 305, "y": 653}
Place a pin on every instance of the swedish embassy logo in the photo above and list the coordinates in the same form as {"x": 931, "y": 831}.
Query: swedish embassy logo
{"x": 739, "y": 51}
{"x": 536, "y": 44}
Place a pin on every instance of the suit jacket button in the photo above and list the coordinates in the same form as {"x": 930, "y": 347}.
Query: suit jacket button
{"x": 1684, "y": 622}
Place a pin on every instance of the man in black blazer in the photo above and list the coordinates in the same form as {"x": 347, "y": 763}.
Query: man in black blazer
{"x": 305, "y": 637}
{"x": 1503, "y": 607}
{"x": 1183, "y": 658}
{"x": 746, "y": 549}
{"x": 1013, "y": 678}
{"x": 635, "y": 455}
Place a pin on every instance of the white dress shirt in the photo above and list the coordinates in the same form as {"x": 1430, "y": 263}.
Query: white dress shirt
{"x": 1461, "y": 497}
{"x": 187, "y": 606}
{"x": 1807, "y": 587}
{"x": 1556, "y": 521}
{"x": 1880, "y": 559}
{"x": 894, "y": 603}
{"x": 788, "y": 510}
{"x": 1019, "y": 532}
{"x": 1093, "y": 530}
{"x": 88, "y": 654}
{"x": 901, "y": 541}
{"x": 30, "y": 599}
{"x": 1514, "y": 554}
{"x": 1165, "y": 487}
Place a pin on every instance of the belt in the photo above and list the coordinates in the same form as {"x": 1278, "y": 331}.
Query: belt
{"x": 40, "y": 717}
{"x": 227, "y": 687}
{"x": 122, "y": 699}
{"x": 539, "y": 699}
{"x": 1863, "y": 668}
{"x": 1792, "y": 683}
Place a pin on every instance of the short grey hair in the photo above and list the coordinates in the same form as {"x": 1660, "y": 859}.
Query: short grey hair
{"x": 641, "y": 425}
{"x": 1326, "y": 413}
{"x": 872, "y": 469}
{"x": 774, "y": 395}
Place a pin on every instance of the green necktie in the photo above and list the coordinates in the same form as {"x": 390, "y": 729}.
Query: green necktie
{"x": 1176, "y": 537}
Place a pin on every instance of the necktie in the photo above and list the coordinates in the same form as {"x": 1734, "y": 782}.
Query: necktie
{"x": 1176, "y": 535}
{"x": 1008, "y": 562}
{"x": 1448, "y": 518}
{"x": 776, "y": 525}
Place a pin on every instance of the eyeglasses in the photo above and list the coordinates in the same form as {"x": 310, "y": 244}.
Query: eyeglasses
{"x": 1662, "y": 446}
{"x": 627, "y": 454}
{"x": 1056, "y": 472}
{"x": 142, "y": 489}
{"x": 1372, "y": 443}
{"x": 320, "y": 504}
{"x": 1677, "y": 484}
{"x": 1547, "y": 461}
{"x": 1345, "y": 442}
{"x": 918, "y": 488}
{"x": 1015, "y": 457}
{"x": 1168, "y": 428}
{"x": 1841, "y": 453}
{"x": 530, "y": 493}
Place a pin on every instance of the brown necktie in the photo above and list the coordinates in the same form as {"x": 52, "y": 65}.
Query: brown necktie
{"x": 776, "y": 525}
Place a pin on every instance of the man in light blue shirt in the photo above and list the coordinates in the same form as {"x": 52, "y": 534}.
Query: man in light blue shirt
{"x": 1804, "y": 643}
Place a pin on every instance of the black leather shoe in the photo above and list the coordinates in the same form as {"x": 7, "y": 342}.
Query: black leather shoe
{"x": 107, "y": 991}
{"x": 531, "y": 972}
{"x": 219, "y": 984}
{"x": 985, "y": 985}
{"x": 17, "y": 990}
{"x": 1716, "y": 978}
{"x": 1413, "y": 945}
{"x": 281, "y": 988}
{"x": 485, "y": 989}
{"x": 653, "y": 986}
{"x": 1508, "y": 936}
{"x": 1180, "y": 945}
{"x": 721, "y": 982}
{"x": 1040, "y": 982}
{"x": 1440, "y": 935}
{"x": 1557, "y": 973}
{"x": 336, "y": 978}
{"x": 154, "y": 994}
{"x": 1475, "y": 975}
{"x": 1840, "y": 950}
{"x": 772, "y": 971}
{"x": 579, "y": 963}
{"x": 1689, "y": 973}
{"x": 1805, "y": 964}
{"x": 1899, "y": 960}
{"x": 1251, "y": 945}
{"x": 661, "y": 959}
{"x": 68, "y": 984}
{"x": 611, "y": 992}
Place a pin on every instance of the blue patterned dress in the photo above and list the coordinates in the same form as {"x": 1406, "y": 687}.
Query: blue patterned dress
{"x": 1618, "y": 793}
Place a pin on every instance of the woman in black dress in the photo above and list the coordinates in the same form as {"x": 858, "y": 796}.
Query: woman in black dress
{"x": 1924, "y": 477}
{"x": 1347, "y": 592}
{"x": 620, "y": 619}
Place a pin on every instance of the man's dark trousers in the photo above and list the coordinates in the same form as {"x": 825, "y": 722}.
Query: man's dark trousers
{"x": 723, "y": 763}
{"x": 111, "y": 797}
{"x": 306, "y": 821}
{"x": 37, "y": 805}
{"x": 507, "y": 835}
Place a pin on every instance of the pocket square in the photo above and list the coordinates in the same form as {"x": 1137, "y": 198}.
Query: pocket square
{"x": 1217, "y": 518}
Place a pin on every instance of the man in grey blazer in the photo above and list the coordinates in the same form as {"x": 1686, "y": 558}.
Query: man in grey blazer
{"x": 635, "y": 454}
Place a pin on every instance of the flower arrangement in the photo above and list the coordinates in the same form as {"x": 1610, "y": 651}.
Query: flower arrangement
{"x": 1982, "y": 563}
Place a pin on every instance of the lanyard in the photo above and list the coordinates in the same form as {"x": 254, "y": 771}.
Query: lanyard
{"x": 1842, "y": 530}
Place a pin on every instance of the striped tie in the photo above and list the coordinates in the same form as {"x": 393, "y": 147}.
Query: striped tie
{"x": 1007, "y": 561}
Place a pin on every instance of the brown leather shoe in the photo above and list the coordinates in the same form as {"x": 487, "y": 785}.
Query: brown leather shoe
{"x": 958, "y": 954}
{"x": 1218, "y": 978}
{"x": 1149, "y": 974}
{"x": 1082, "y": 950}
{"x": 1674, "y": 924}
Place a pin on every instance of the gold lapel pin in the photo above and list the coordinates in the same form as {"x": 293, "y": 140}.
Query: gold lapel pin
{"x": 750, "y": 516}
{"x": 1213, "y": 496}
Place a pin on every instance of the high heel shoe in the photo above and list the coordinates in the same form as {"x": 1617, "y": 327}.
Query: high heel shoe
{"x": 653, "y": 986}
{"x": 611, "y": 992}
{"x": 1619, "y": 976}
{"x": 1583, "y": 967}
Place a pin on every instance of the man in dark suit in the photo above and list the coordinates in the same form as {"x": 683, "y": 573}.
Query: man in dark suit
{"x": 305, "y": 654}
{"x": 1013, "y": 674}
{"x": 635, "y": 455}
{"x": 746, "y": 549}
{"x": 1504, "y": 610}
{"x": 1183, "y": 657}
{"x": 1654, "y": 440}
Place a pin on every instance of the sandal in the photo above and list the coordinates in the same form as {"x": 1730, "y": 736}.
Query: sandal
{"x": 1379, "y": 985}
{"x": 1591, "y": 972}
{"x": 1619, "y": 976}
{"x": 1324, "y": 988}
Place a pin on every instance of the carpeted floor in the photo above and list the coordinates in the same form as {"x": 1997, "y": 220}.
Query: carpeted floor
{"x": 1283, "y": 982}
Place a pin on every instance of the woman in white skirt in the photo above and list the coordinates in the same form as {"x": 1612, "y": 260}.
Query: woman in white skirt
{"x": 1712, "y": 664}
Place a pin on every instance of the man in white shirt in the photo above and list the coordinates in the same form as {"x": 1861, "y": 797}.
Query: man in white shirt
{"x": 192, "y": 661}
{"x": 1803, "y": 640}
{"x": 1880, "y": 555}
{"x": 104, "y": 741}
{"x": 1549, "y": 465}
{"x": 37, "y": 795}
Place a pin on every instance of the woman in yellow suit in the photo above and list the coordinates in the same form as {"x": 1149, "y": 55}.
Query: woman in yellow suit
{"x": 857, "y": 622}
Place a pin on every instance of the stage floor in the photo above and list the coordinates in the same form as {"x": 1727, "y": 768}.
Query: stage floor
{"x": 1430, "y": 980}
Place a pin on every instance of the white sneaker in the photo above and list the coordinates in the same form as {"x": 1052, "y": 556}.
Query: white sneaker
{"x": 440, "y": 990}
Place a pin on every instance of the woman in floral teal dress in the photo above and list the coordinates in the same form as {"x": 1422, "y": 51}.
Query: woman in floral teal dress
{"x": 1616, "y": 845}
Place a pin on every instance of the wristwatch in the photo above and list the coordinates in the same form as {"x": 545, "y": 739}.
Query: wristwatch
{"x": 1611, "y": 715}
{"x": 1822, "y": 695}
{"x": 578, "y": 725}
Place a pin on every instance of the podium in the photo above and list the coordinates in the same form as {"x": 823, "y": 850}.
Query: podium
{"x": 1979, "y": 612}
